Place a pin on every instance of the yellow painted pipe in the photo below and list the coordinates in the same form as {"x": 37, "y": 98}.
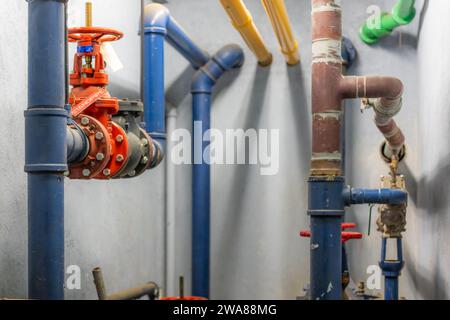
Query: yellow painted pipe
{"x": 277, "y": 13}
{"x": 243, "y": 22}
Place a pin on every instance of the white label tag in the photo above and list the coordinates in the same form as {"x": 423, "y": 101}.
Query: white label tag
{"x": 111, "y": 57}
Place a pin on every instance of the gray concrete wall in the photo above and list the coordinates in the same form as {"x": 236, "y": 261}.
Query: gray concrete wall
{"x": 256, "y": 251}
{"x": 431, "y": 277}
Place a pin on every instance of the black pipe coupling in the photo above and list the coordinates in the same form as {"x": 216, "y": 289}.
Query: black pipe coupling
{"x": 141, "y": 150}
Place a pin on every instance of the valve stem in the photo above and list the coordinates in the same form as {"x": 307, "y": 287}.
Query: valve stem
{"x": 88, "y": 14}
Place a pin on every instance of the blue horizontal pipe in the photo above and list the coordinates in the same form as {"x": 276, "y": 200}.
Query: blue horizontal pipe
{"x": 158, "y": 27}
{"x": 45, "y": 148}
{"x": 77, "y": 145}
{"x": 229, "y": 57}
{"x": 374, "y": 196}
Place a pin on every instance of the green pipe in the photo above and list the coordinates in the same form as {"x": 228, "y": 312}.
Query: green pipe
{"x": 402, "y": 14}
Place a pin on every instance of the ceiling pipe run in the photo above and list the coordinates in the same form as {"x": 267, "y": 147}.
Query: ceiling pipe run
{"x": 277, "y": 13}
{"x": 243, "y": 22}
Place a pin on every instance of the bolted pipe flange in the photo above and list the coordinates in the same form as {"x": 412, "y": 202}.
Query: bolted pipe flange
{"x": 121, "y": 147}
{"x": 99, "y": 152}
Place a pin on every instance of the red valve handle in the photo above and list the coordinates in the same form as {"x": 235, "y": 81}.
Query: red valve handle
{"x": 348, "y": 225}
{"x": 96, "y": 34}
{"x": 345, "y": 235}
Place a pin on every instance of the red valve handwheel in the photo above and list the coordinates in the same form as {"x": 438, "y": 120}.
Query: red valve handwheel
{"x": 96, "y": 34}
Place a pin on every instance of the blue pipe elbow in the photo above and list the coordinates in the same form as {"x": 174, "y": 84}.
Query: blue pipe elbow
{"x": 229, "y": 57}
{"x": 158, "y": 27}
{"x": 375, "y": 196}
{"x": 157, "y": 19}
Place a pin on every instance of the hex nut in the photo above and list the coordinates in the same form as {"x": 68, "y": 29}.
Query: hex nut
{"x": 85, "y": 121}
{"x": 86, "y": 172}
{"x": 119, "y": 138}
{"x": 100, "y": 156}
{"x": 106, "y": 172}
{"x": 99, "y": 136}
{"x": 120, "y": 158}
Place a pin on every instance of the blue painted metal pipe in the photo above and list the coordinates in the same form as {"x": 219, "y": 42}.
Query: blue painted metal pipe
{"x": 391, "y": 270}
{"x": 158, "y": 27}
{"x": 374, "y": 196}
{"x": 45, "y": 149}
{"x": 326, "y": 209}
{"x": 227, "y": 58}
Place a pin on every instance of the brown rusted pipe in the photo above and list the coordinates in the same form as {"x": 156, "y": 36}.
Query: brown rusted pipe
{"x": 330, "y": 88}
{"x": 326, "y": 99}
{"x": 99, "y": 283}
{"x": 388, "y": 92}
{"x": 371, "y": 87}
{"x": 149, "y": 289}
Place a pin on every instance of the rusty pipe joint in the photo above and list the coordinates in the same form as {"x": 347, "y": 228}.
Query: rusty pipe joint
{"x": 384, "y": 95}
{"x": 386, "y": 108}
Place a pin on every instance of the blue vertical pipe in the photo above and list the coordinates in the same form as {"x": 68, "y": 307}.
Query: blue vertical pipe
{"x": 158, "y": 27}
{"x": 154, "y": 115}
{"x": 391, "y": 270}
{"x": 326, "y": 209}
{"x": 229, "y": 57}
{"x": 45, "y": 149}
{"x": 201, "y": 220}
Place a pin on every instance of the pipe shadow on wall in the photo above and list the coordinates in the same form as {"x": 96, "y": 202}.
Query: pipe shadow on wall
{"x": 251, "y": 118}
{"x": 428, "y": 192}
{"x": 430, "y": 283}
{"x": 301, "y": 114}
{"x": 181, "y": 87}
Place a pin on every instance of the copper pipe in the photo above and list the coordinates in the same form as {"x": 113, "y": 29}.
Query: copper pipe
{"x": 149, "y": 289}
{"x": 330, "y": 88}
{"x": 99, "y": 283}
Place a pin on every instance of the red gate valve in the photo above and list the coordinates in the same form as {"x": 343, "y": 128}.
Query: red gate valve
{"x": 92, "y": 106}
{"x": 345, "y": 235}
